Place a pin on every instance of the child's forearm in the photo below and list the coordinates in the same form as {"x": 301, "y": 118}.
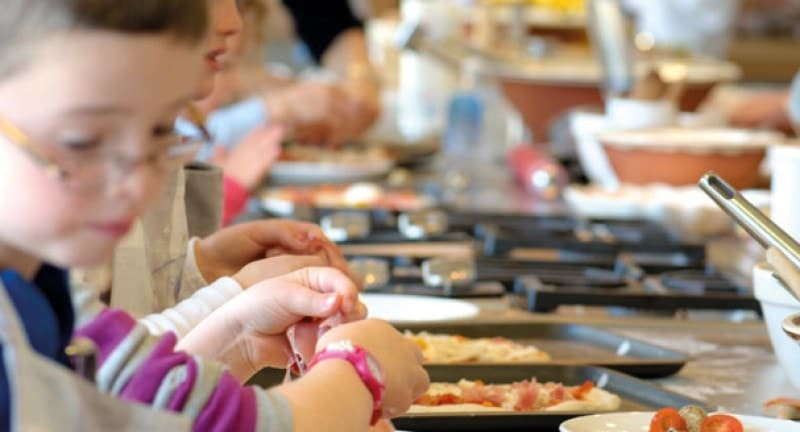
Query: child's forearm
{"x": 220, "y": 339}
{"x": 137, "y": 367}
{"x": 186, "y": 315}
{"x": 330, "y": 397}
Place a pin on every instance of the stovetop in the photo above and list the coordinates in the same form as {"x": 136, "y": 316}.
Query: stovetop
{"x": 554, "y": 261}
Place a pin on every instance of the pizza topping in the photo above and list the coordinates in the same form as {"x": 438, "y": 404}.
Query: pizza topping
{"x": 693, "y": 419}
{"x": 444, "y": 348}
{"x": 668, "y": 420}
{"x": 694, "y": 416}
{"x": 527, "y": 395}
{"x": 721, "y": 423}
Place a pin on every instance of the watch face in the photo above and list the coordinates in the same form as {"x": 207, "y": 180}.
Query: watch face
{"x": 374, "y": 368}
{"x": 343, "y": 345}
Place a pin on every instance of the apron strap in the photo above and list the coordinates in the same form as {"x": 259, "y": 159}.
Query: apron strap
{"x": 11, "y": 330}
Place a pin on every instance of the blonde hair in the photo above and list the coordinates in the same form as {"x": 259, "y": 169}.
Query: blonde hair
{"x": 24, "y": 22}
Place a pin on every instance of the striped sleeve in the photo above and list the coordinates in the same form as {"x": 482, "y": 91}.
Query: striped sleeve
{"x": 138, "y": 367}
{"x": 186, "y": 315}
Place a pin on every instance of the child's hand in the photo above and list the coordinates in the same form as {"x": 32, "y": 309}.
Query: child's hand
{"x": 268, "y": 268}
{"x": 248, "y": 332}
{"x": 400, "y": 359}
{"x": 228, "y": 250}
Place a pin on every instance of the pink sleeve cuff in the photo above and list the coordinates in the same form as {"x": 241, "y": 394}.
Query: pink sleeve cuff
{"x": 236, "y": 197}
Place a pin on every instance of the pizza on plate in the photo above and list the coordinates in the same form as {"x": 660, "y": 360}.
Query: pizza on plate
{"x": 521, "y": 396}
{"x": 354, "y": 196}
{"x": 447, "y": 348}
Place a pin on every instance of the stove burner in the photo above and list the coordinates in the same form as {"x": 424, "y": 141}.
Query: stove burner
{"x": 697, "y": 282}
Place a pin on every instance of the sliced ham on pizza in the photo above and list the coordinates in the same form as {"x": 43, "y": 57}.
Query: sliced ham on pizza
{"x": 521, "y": 396}
{"x": 445, "y": 348}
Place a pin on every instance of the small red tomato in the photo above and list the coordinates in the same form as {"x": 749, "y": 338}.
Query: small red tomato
{"x": 668, "y": 420}
{"x": 721, "y": 423}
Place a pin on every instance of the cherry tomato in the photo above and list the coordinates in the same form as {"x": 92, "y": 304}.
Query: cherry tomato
{"x": 668, "y": 420}
{"x": 721, "y": 423}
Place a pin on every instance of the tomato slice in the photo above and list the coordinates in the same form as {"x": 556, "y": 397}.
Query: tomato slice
{"x": 668, "y": 420}
{"x": 721, "y": 423}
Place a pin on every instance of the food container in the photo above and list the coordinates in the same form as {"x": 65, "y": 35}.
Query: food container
{"x": 777, "y": 304}
{"x": 681, "y": 156}
{"x": 569, "y": 80}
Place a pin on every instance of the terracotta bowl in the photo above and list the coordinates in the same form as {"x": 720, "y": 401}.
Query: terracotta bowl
{"x": 542, "y": 103}
{"x": 681, "y": 156}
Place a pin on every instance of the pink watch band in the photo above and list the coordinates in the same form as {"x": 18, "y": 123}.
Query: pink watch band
{"x": 365, "y": 366}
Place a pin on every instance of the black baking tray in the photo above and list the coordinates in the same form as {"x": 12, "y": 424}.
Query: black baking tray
{"x": 543, "y": 297}
{"x": 636, "y": 395}
{"x": 572, "y": 344}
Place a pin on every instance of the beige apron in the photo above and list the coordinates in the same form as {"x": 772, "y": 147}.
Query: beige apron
{"x": 147, "y": 272}
{"x": 46, "y": 396}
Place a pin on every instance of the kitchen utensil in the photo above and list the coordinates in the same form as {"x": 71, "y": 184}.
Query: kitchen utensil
{"x": 612, "y": 44}
{"x": 756, "y": 223}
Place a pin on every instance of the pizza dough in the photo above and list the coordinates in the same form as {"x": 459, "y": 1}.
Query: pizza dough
{"x": 444, "y": 348}
{"x": 522, "y": 396}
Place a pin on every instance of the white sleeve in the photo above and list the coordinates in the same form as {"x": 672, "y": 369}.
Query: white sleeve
{"x": 185, "y": 316}
{"x": 191, "y": 278}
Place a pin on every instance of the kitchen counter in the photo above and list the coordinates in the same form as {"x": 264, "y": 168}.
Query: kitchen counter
{"x": 732, "y": 365}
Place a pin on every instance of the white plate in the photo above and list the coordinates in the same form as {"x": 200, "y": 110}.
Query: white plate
{"x": 327, "y": 172}
{"x": 640, "y": 422}
{"x": 398, "y": 308}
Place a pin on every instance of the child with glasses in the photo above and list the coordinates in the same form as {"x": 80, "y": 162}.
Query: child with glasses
{"x": 89, "y": 91}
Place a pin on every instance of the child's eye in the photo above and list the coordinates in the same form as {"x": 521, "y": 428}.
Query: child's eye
{"x": 163, "y": 130}
{"x": 82, "y": 144}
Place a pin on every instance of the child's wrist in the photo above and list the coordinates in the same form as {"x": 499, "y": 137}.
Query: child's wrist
{"x": 364, "y": 364}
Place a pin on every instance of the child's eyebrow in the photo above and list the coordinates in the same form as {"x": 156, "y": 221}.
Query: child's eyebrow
{"x": 117, "y": 110}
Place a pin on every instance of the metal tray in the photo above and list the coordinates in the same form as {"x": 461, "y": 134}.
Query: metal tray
{"x": 636, "y": 395}
{"x": 571, "y": 345}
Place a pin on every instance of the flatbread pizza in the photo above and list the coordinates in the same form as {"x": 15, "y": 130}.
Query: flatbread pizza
{"x": 447, "y": 348}
{"x": 520, "y": 396}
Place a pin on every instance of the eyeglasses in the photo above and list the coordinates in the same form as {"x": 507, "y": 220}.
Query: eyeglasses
{"x": 94, "y": 172}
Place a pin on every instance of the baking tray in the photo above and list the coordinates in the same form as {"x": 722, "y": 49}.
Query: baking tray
{"x": 542, "y": 298}
{"x": 572, "y": 344}
{"x": 636, "y": 395}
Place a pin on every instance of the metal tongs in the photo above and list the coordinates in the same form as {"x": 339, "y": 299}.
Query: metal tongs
{"x": 749, "y": 217}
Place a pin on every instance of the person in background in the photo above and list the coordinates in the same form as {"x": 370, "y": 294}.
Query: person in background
{"x": 251, "y": 110}
{"x": 779, "y": 110}
{"x": 177, "y": 252}
{"x": 698, "y": 27}
{"x": 74, "y": 140}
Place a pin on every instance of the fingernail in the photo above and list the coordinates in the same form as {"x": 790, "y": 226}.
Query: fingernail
{"x": 330, "y": 302}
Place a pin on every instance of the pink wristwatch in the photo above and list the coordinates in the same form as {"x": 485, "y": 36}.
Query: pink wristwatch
{"x": 365, "y": 365}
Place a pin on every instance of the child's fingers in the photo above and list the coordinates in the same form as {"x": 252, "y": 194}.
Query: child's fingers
{"x": 329, "y": 280}
{"x": 303, "y": 301}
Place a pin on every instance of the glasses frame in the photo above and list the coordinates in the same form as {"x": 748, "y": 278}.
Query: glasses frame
{"x": 180, "y": 153}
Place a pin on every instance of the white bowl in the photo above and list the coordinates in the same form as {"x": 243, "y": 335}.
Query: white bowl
{"x": 623, "y": 113}
{"x": 777, "y": 304}
{"x": 584, "y": 126}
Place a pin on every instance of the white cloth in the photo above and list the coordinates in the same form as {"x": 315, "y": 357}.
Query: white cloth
{"x": 47, "y": 397}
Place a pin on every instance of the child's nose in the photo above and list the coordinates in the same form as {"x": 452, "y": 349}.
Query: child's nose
{"x": 140, "y": 184}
